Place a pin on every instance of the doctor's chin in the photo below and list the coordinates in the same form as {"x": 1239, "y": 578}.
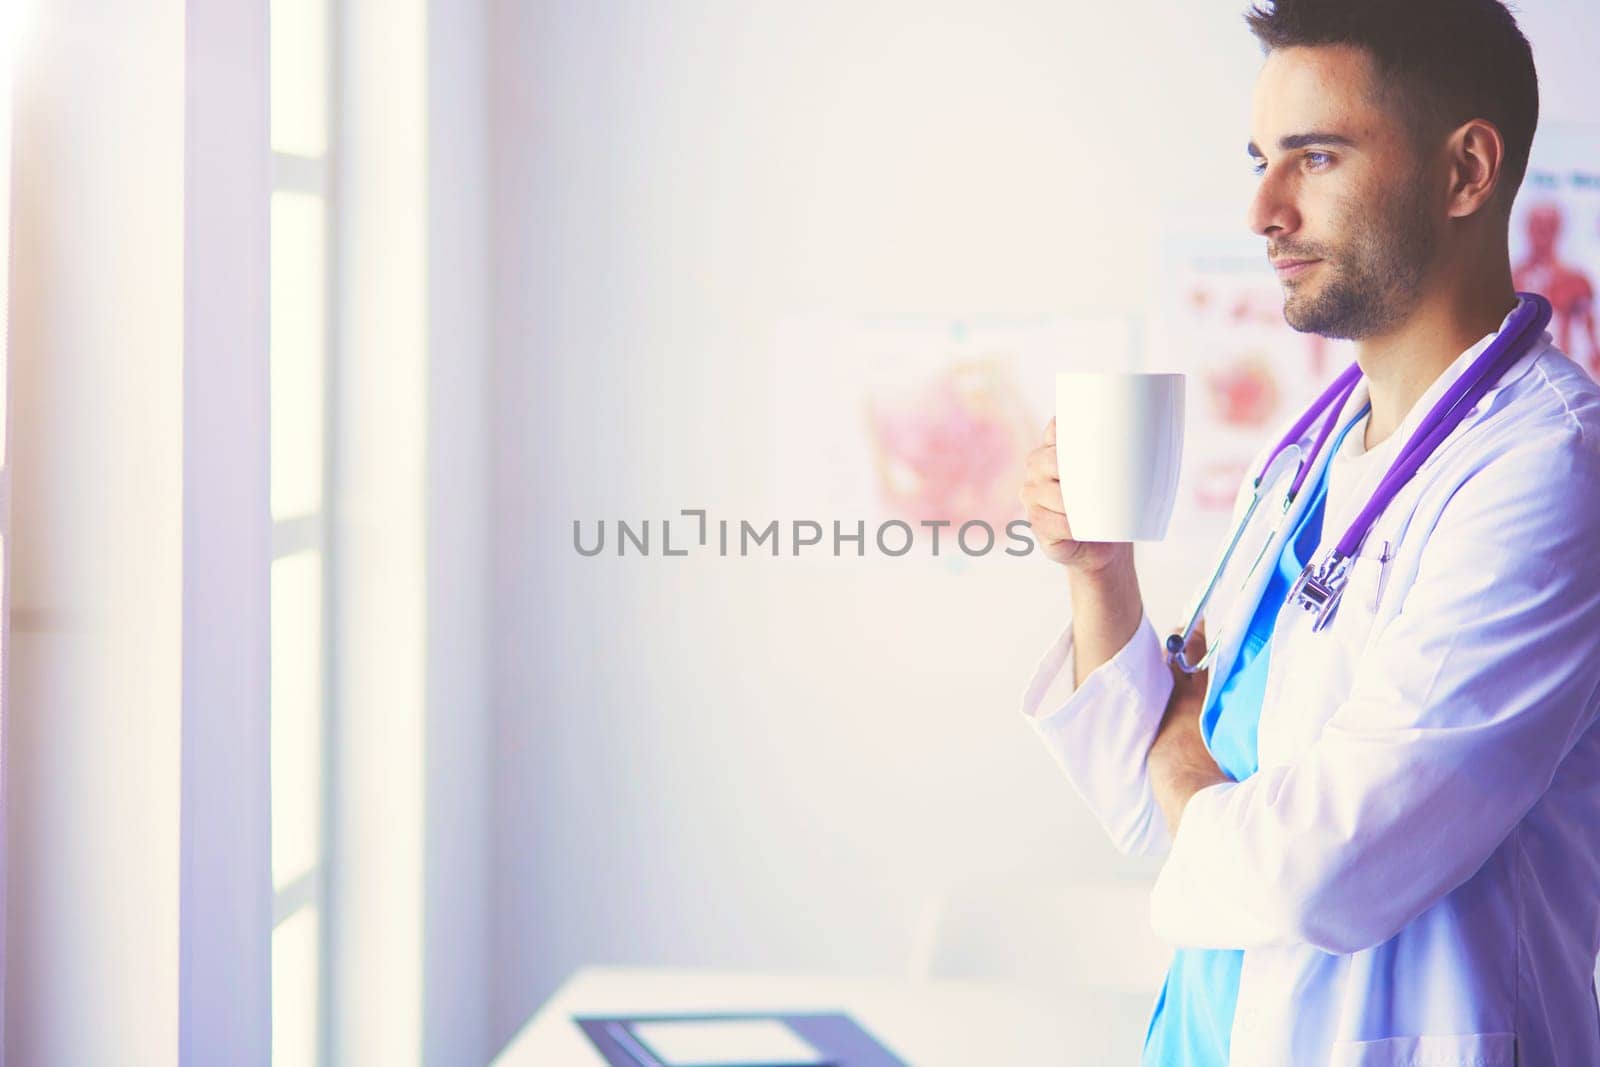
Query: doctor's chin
{"x": 542, "y": 533}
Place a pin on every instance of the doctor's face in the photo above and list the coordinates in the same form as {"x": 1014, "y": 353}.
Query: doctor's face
{"x": 1340, "y": 186}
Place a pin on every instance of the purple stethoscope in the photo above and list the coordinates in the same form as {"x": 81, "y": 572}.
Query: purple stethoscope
{"x": 1321, "y": 583}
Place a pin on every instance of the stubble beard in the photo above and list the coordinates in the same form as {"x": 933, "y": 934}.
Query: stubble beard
{"x": 1373, "y": 279}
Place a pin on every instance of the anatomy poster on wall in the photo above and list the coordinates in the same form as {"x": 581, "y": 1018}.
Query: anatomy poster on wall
{"x": 920, "y": 418}
{"x": 1249, "y": 372}
{"x": 1555, "y": 235}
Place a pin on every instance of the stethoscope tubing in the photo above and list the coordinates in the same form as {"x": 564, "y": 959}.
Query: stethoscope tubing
{"x": 1526, "y": 323}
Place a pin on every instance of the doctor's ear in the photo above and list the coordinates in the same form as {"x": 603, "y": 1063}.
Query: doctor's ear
{"x": 1477, "y": 159}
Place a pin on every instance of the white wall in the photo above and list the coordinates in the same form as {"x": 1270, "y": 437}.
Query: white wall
{"x": 760, "y": 762}
{"x": 138, "y": 890}
{"x": 92, "y": 807}
{"x": 225, "y": 902}
{"x": 378, "y": 888}
{"x": 755, "y": 762}
{"x": 455, "y": 940}
{"x": 411, "y": 814}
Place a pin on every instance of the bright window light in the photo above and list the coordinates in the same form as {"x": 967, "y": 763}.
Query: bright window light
{"x": 294, "y": 990}
{"x": 296, "y": 716}
{"x": 300, "y": 77}
{"x": 299, "y": 339}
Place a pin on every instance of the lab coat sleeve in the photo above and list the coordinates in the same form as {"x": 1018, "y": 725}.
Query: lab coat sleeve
{"x": 1459, "y": 714}
{"x": 1100, "y": 732}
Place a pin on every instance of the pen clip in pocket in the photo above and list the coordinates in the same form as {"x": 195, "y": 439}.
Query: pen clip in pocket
{"x": 1371, "y": 558}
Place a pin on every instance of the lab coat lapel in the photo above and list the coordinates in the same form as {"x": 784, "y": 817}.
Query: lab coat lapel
{"x": 1231, "y": 635}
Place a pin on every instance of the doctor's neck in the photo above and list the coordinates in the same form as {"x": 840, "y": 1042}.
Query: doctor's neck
{"x": 1453, "y": 312}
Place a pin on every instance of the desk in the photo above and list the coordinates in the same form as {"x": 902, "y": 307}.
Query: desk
{"x": 927, "y": 1024}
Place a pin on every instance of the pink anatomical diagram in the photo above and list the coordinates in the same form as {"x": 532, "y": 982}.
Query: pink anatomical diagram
{"x": 1243, "y": 392}
{"x": 1566, "y": 286}
{"x": 953, "y": 448}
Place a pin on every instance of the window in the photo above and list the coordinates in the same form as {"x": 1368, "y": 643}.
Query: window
{"x": 300, "y": 351}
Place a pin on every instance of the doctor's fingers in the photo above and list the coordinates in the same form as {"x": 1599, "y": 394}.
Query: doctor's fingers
{"x": 1041, "y": 464}
{"x": 1049, "y": 527}
{"x": 1042, "y": 494}
{"x": 1196, "y": 648}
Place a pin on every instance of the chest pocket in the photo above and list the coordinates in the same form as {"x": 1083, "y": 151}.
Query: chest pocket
{"x": 1368, "y": 574}
{"x": 1310, "y": 672}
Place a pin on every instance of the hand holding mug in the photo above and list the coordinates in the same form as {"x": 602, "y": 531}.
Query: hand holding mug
{"x": 1046, "y": 514}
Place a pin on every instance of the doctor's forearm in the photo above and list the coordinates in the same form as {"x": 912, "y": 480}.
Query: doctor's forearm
{"x": 1174, "y": 783}
{"x": 1106, "y": 612}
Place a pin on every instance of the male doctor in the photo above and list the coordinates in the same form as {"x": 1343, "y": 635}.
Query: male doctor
{"x": 1382, "y": 839}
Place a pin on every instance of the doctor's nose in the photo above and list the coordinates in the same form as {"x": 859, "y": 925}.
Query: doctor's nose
{"x": 1272, "y": 212}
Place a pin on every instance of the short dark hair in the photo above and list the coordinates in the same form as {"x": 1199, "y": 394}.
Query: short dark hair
{"x": 1442, "y": 63}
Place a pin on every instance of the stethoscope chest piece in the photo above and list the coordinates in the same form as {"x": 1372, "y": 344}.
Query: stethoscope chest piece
{"x": 1320, "y": 587}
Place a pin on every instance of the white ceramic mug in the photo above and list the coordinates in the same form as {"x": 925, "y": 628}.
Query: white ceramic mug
{"x": 1119, "y": 446}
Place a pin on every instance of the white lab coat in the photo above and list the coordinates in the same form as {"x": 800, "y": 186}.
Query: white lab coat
{"x": 1414, "y": 872}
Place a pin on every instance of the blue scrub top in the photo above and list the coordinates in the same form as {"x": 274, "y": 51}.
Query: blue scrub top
{"x": 1193, "y": 1017}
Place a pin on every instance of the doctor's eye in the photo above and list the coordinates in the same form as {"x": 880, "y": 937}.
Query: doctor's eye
{"x": 1323, "y": 156}
{"x": 1258, "y": 167}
